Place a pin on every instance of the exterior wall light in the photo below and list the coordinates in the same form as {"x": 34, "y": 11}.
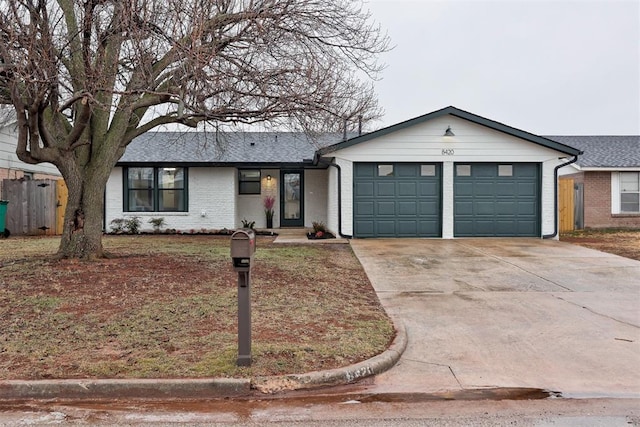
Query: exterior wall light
{"x": 268, "y": 177}
{"x": 449, "y": 132}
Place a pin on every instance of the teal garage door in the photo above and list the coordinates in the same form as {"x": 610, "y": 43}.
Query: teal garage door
{"x": 397, "y": 200}
{"x": 497, "y": 200}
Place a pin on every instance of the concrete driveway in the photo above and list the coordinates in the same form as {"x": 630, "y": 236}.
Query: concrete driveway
{"x": 508, "y": 313}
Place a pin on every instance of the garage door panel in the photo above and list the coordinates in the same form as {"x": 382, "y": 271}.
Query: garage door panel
{"x": 366, "y": 208}
{"x": 386, "y": 208}
{"x": 406, "y": 203}
{"x": 407, "y": 189}
{"x": 428, "y": 228}
{"x": 385, "y": 189}
{"x": 386, "y": 228}
{"x": 365, "y": 170}
{"x": 487, "y": 204}
{"x": 407, "y": 208}
{"x": 527, "y": 227}
{"x": 407, "y": 228}
{"x": 527, "y": 188}
{"x": 506, "y": 207}
{"x": 484, "y": 189}
{"x": 429, "y": 189}
{"x": 484, "y": 227}
{"x": 529, "y": 170}
{"x": 364, "y": 227}
{"x": 464, "y": 188}
{"x": 506, "y": 188}
{"x": 486, "y": 207}
{"x": 428, "y": 208}
{"x": 364, "y": 188}
{"x": 464, "y": 208}
{"x": 527, "y": 208}
{"x": 406, "y": 170}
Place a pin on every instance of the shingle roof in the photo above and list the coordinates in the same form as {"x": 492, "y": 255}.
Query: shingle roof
{"x": 231, "y": 147}
{"x": 605, "y": 151}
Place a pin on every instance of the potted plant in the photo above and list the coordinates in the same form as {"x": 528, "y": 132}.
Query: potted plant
{"x": 268, "y": 203}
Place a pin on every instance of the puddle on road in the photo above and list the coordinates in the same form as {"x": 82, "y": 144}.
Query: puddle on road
{"x": 242, "y": 407}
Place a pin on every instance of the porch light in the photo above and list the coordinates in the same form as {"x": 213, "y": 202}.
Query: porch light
{"x": 268, "y": 177}
{"x": 449, "y": 132}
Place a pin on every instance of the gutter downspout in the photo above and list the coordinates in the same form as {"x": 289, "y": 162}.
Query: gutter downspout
{"x": 344, "y": 236}
{"x": 555, "y": 198}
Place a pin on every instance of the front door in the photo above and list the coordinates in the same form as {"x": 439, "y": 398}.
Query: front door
{"x": 291, "y": 199}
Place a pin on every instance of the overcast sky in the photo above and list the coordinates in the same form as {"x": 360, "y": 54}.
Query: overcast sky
{"x": 565, "y": 67}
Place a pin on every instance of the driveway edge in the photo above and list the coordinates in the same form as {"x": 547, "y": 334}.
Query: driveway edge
{"x": 202, "y": 388}
{"x": 339, "y": 376}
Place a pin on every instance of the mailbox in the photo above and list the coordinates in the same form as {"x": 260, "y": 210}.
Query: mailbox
{"x": 243, "y": 246}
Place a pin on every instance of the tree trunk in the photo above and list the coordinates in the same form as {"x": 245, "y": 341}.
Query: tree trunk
{"x": 83, "y": 219}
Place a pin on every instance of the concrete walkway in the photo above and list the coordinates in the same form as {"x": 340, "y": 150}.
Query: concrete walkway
{"x": 508, "y": 313}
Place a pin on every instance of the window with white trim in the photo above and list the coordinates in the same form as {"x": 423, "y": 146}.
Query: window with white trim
{"x": 629, "y": 192}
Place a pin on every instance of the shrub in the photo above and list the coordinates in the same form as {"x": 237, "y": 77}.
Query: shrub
{"x": 319, "y": 226}
{"x": 132, "y": 225}
{"x": 248, "y": 224}
{"x": 117, "y": 225}
{"x": 157, "y": 223}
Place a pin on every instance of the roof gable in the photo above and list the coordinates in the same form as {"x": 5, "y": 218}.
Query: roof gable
{"x": 453, "y": 111}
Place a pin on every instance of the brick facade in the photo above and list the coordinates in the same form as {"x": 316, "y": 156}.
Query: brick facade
{"x": 597, "y": 202}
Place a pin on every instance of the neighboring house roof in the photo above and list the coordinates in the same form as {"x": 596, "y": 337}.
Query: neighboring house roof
{"x": 226, "y": 148}
{"x": 605, "y": 151}
{"x": 456, "y": 112}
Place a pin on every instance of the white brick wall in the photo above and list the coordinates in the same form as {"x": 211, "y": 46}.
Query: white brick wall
{"x": 332, "y": 200}
{"x": 447, "y": 200}
{"x": 211, "y": 201}
{"x": 347, "y": 195}
{"x": 315, "y": 196}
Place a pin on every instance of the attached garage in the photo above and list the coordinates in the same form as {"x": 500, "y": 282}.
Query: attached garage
{"x": 497, "y": 200}
{"x": 449, "y": 173}
{"x": 397, "y": 200}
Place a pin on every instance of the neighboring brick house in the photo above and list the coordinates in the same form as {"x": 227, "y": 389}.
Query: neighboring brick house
{"x": 609, "y": 174}
{"x": 10, "y": 166}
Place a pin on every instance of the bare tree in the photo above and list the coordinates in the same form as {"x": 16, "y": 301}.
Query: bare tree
{"x": 87, "y": 76}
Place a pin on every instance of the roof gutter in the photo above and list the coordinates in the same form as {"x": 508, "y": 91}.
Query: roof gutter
{"x": 555, "y": 197}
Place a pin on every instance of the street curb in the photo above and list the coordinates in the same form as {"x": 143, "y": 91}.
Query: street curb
{"x": 203, "y": 388}
{"x": 346, "y": 375}
{"x": 143, "y": 388}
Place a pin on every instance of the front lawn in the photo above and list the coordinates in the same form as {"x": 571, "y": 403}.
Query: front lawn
{"x": 621, "y": 242}
{"x": 166, "y": 307}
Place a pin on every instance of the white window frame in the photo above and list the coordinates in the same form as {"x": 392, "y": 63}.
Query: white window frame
{"x": 615, "y": 194}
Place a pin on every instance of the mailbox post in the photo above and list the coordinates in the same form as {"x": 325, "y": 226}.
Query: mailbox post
{"x": 243, "y": 246}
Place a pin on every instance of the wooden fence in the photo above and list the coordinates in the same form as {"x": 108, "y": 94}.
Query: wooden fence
{"x": 566, "y": 206}
{"x": 36, "y": 207}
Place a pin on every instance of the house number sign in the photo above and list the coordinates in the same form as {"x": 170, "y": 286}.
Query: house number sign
{"x": 448, "y": 152}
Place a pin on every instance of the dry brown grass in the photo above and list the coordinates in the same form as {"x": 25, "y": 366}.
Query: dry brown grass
{"x": 166, "y": 308}
{"x": 625, "y": 243}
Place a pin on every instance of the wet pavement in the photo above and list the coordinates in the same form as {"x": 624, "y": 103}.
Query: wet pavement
{"x": 516, "y": 313}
